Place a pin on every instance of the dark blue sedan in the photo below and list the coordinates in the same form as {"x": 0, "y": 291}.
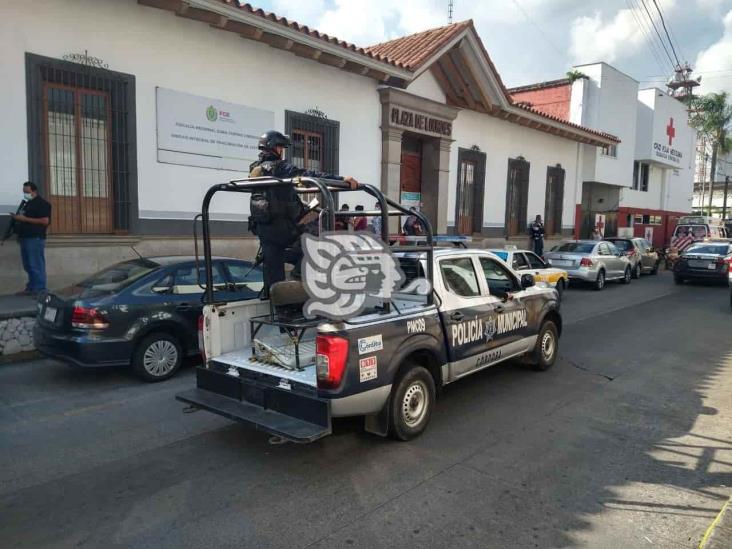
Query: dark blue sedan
{"x": 143, "y": 312}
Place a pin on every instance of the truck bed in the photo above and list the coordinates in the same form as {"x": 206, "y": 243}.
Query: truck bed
{"x": 243, "y": 358}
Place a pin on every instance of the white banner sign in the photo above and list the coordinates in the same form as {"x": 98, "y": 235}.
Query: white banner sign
{"x": 208, "y": 133}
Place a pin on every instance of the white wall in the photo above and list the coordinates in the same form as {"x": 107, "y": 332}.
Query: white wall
{"x": 612, "y": 100}
{"x": 501, "y": 140}
{"x": 652, "y": 199}
{"x": 160, "y": 49}
{"x": 426, "y": 85}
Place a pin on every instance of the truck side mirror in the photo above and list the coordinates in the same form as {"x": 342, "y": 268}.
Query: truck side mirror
{"x": 527, "y": 281}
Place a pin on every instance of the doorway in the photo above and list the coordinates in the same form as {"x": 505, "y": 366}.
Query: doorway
{"x": 517, "y": 197}
{"x": 77, "y": 147}
{"x": 470, "y": 190}
{"x": 410, "y": 177}
{"x": 554, "y": 200}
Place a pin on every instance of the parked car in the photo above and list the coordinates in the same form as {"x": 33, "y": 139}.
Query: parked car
{"x": 142, "y": 313}
{"x": 643, "y": 257}
{"x": 704, "y": 261}
{"x": 524, "y": 261}
{"x": 591, "y": 261}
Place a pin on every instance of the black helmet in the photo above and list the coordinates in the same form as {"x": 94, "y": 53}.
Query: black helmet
{"x": 271, "y": 139}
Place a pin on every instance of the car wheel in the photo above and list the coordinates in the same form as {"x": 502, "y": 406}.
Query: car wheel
{"x": 157, "y": 357}
{"x": 637, "y": 271}
{"x": 627, "y": 276}
{"x": 600, "y": 281}
{"x": 547, "y": 345}
{"x": 560, "y": 288}
{"x": 412, "y": 401}
{"x": 678, "y": 279}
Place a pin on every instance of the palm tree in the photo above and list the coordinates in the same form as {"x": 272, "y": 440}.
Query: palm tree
{"x": 712, "y": 116}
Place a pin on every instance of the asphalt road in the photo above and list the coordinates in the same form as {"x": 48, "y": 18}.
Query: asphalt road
{"x": 626, "y": 442}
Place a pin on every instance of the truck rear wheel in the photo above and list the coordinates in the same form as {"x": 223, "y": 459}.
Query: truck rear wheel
{"x": 412, "y": 401}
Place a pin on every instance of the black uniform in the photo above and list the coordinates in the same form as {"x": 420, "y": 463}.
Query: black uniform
{"x": 536, "y": 230}
{"x": 275, "y": 213}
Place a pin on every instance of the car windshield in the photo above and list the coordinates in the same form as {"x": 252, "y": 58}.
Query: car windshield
{"x": 119, "y": 276}
{"x": 576, "y": 247}
{"x": 697, "y": 231}
{"x": 502, "y": 255}
{"x": 716, "y": 249}
{"x": 623, "y": 245}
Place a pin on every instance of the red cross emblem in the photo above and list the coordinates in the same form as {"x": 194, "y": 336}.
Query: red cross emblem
{"x": 670, "y": 131}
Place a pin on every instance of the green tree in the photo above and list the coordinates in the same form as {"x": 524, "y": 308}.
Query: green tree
{"x": 711, "y": 115}
{"x": 574, "y": 74}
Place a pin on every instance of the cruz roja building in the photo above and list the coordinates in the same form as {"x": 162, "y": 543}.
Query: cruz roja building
{"x": 125, "y": 112}
{"x": 642, "y": 185}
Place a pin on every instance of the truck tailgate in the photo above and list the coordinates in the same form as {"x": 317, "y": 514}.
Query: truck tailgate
{"x": 287, "y": 411}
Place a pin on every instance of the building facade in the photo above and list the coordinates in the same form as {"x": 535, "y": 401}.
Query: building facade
{"x": 125, "y": 126}
{"x": 641, "y": 185}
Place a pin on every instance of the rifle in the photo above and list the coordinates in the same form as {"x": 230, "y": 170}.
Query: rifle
{"x": 11, "y": 226}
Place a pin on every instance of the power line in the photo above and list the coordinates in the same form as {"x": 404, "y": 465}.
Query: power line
{"x": 642, "y": 26}
{"x": 531, "y": 20}
{"x": 670, "y": 43}
{"x": 657, "y": 32}
{"x": 673, "y": 34}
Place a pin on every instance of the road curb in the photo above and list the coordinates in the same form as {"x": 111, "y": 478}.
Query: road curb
{"x": 719, "y": 533}
{"x": 23, "y": 356}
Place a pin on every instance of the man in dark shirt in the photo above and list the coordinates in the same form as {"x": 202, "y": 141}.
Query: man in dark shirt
{"x": 276, "y": 214}
{"x": 30, "y": 226}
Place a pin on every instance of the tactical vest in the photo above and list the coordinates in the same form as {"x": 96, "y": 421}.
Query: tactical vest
{"x": 268, "y": 206}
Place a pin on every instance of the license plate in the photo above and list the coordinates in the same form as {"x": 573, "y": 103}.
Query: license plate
{"x": 711, "y": 266}
{"x": 50, "y": 314}
{"x": 560, "y": 262}
{"x": 697, "y": 264}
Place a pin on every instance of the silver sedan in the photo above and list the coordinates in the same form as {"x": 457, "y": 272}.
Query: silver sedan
{"x": 591, "y": 261}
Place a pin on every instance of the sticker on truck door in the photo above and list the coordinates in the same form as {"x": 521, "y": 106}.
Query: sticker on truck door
{"x": 370, "y": 344}
{"x": 367, "y": 368}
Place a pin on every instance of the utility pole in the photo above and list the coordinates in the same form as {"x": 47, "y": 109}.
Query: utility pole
{"x": 724, "y": 204}
{"x": 449, "y": 12}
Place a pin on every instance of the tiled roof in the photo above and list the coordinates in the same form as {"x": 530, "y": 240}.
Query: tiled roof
{"x": 313, "y": 33}
{"x": 540, "y": 85}
{"x": 412, "y": 51}
{"x": 408, "y": 52}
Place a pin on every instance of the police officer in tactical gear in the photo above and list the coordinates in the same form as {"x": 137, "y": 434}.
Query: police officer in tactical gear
{"x": 276, "y": 212}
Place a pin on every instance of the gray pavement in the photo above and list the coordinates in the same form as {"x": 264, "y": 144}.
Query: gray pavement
{"x": 626, "y": 442}
{"x": 13, "y": 306}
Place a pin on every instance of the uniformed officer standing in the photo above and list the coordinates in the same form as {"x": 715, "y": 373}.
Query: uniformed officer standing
{"x": 536, "y": 230}
{"x": 275, "y": 212}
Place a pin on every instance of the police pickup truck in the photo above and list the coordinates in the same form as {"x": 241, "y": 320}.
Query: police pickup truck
{"x": 268, "y": 366}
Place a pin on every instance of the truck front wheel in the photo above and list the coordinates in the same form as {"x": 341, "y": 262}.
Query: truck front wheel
{"x": 411, "y": 403}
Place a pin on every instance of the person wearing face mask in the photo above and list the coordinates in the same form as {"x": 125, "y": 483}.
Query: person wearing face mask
{"x": 30, "y": 226}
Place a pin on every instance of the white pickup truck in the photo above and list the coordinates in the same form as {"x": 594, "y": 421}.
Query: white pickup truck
{"x": 268, "y": 366}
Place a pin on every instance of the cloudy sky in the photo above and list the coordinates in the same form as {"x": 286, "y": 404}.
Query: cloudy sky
{"x": 534, "y": 40}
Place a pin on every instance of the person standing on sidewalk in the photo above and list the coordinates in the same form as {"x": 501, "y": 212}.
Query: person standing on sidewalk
{"x": 536, "y": 232}
{"x": 30, "y": 226}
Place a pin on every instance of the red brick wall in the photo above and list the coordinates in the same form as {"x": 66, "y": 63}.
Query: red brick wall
{"x": 553, "y": 101}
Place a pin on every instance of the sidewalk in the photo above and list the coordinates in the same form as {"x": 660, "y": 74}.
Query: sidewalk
{"x": 14, "y": 306}
{"x": 719, "y": 533}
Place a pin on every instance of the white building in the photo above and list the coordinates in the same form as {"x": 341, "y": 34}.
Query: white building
{"x": 645, "y": 182}
{"x": 125, "y": 119}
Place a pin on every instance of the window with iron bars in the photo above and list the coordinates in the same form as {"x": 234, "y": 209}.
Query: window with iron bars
{"x": 81, "y": 144}
{"x": 315, "y": 142}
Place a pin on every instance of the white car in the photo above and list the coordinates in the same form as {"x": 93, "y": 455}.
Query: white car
{"x": 524, "y": 261}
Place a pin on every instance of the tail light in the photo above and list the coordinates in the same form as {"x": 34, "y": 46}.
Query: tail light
{"x": 728, "y": 261}
{"x": 201, "y": 346}
{"x": 330, "y": 360}
{"x": 586, "y": 262}
{"x": 631, "y": 253}
{"x": 88, "y": 318}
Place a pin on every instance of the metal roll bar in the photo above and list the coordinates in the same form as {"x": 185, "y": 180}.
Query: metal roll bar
{"x": 327, "y": 216}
